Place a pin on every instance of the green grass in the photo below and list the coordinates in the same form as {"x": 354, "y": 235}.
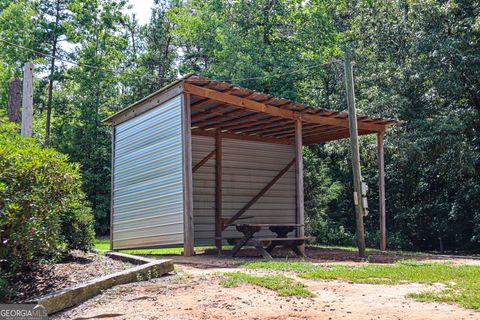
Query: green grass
{"x": 281, "y": 284}
{"x": 462, "y": 283}
{"x": 104, "y": 244}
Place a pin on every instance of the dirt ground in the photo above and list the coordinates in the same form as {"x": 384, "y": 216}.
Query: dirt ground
{"x": 194, "y": 292}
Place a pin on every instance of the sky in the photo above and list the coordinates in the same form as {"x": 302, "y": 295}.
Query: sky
{"x": 142, "y": 9}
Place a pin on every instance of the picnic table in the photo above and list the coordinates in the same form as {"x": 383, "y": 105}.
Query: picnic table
{"x": 266, "y": 245}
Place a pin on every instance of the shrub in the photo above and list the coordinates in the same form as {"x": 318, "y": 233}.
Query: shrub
{"x": 43, "y": 211}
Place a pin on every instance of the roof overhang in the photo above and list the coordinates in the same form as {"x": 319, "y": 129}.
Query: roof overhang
{"x": 238, "y": 112}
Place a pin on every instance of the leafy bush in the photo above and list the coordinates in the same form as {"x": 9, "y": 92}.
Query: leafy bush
{"x": 43, "y": 212}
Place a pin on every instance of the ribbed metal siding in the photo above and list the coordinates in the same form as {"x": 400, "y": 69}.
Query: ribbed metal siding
{"x": 248, "y": 166}
{"x": 148, "y": 185}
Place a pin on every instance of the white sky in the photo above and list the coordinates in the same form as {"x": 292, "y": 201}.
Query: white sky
{"x": 142, "y": 10}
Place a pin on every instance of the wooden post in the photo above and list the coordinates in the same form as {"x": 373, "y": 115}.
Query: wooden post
{"x": 14, "y": 100}
{"x": 27, "y": 101}
{"x": 188, "y": 247}
{"x": 218, "y": 192}
{"x": 381, "y": 192}
{"x": 300, "y": 217}
{"x": 112, "y": 186}
{"x": 357, "y": 175}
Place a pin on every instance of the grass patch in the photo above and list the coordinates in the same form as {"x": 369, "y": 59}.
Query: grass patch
{"x": 281, "y": 284}
{"x": 462, "y": 283}
{"x": 104, "y": 244}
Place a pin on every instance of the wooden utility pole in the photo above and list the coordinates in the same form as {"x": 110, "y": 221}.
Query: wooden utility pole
{"x": 357, "y": 175}
{"x": 14, "y": 100}
{"x": 27, "y": 100}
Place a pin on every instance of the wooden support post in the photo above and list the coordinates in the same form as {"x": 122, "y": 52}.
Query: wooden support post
{"x": 300, "y": 217}
{"x": 218, "y": 192}
{"x": 27, "y": 100}
{"x": 14, "y": 100}
{"x": 357, "y": 175}
{"x": 112, "y": 186}
{"x": 381, "y": 192}
{"x": 188, "y": 247}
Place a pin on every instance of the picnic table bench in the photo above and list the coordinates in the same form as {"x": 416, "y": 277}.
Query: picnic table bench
{"x": 266, "y": 245}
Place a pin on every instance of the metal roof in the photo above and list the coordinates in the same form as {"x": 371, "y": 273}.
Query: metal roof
{"x": 237, "y": 111}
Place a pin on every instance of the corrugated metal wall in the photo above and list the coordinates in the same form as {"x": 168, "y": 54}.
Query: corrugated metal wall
{"x": 248, "y": 166}
{"x": 148, "y": 185}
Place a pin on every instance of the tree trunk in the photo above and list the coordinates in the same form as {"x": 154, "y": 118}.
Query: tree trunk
{"x": 52, "y": 71}
{"x": 14, "y": 100}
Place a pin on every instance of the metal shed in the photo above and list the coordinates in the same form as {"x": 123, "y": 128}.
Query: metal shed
{"x": 198, "y": 154}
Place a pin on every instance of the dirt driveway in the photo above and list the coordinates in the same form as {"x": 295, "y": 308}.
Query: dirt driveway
{"x": 194, "y": 292}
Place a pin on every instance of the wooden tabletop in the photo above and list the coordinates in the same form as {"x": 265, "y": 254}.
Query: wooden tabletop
{"x": 266, "y": 225}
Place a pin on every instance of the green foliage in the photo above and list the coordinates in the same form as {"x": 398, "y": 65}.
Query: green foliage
{"x": 43, "y": 210}
{"x": 462, "y": 283}
{"x": 416, "y": 61}
{"x": 281, "y": 284}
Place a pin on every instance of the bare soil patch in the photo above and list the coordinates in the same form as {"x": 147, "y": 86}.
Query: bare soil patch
{"x": 195, "y": 293}
{"x": 77, "y": 268}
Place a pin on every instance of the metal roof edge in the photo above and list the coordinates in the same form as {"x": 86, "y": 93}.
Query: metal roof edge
{"x": 109, "y": 119}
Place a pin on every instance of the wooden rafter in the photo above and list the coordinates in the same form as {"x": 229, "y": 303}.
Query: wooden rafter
{"x": 281, "y": 128}
{"x": 216, "y": 122}
{"x": 239, "y": 136}
{"x": 264, "y": 126}
{"x": 203, "y": 113}
{"x": 308, "y": 131}
{"x": 265, "y": 108}
{"x": 241, "y": 120}
{"x": 216, "y": 118}
{"x": 254, "y": 125}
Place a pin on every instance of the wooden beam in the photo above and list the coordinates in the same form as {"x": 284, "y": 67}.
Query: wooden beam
{"x": 333, "y": 136}
{"x": 300, "y": 217}
{"x": 264, "y": 108}
{"x": 239, "y": 136}
{"x": 241, "y": 120}
{"x": 259, "y": 195}
{"x": 330, "y": 131}
{"x": 203, "y": 113}
{"x": 219, "y": 120}
{"x": 306, "y": 128}
{"x": 271, "y": 122}
{"x": 273, "y": 127}
{"x": 112, "y": 187}
{"x": 272, "y": 132}
{"x": 145, "y": 104}
{"x": 188, "y": 248}
{"x": 381, "y": 192}
{"x": 218, "y": 192}
{"x": 203, "y": 161}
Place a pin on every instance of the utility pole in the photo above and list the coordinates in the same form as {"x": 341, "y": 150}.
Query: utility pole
{"x": 27, "y": 100}
{"x": 357, "y": 175}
